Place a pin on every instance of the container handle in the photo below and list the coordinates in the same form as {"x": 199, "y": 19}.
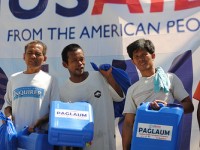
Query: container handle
{"x": 160, "y": 106}
{"x": 174, "y": 105}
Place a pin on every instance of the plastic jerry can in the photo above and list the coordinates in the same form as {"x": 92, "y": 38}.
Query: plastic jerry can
{"x": 157, "y": 129}
{"x": 71, "y": 124}
{"x": 33, "y": 141}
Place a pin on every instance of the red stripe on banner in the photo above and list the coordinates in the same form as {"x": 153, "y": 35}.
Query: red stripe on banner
{"x": 157, "y": 5}
{"x": 133, "y": 5}
{"x": 186, "y": 4}
{"x": 197, "y": 92}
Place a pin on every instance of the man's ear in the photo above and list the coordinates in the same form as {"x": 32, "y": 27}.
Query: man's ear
{"x": 45, "y": 58}
{"x": 64, "y": 64}
{"x": 153, "y": 56}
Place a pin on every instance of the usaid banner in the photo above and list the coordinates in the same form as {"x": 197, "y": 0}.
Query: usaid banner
{"x": 104, "y": 28}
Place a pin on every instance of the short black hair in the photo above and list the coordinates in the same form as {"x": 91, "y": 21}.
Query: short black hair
{"x": 140, "y": 44}
{"x": 69, "y": 48}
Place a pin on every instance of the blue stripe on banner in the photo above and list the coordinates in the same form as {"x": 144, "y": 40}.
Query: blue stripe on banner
{"x": 125, "y": 81}
{"x": 183, "y": 68}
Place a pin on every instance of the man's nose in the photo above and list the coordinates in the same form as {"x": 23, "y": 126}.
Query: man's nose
{"x": 80, "y": 62}
{"x": 33, "y": 56}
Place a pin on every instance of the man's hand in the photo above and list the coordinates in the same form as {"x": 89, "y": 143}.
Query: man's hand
{"x": 39, "y": 123}
{"x": 107, "y": 74}
{"x": 155, "y": 106}
{"x": 8, "y": 113}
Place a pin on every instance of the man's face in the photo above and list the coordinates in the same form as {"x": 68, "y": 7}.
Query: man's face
{"x": 143, "y": 60}
{"x": 75, "y": 63}
{"x": 34, "y": 56}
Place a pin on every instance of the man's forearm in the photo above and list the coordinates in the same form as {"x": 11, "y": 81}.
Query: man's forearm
{"x": 115, "y": 86}
{"x": 127, "y": 136}
{"x": 8, "y": 111}
{"x": 187, "y": 105}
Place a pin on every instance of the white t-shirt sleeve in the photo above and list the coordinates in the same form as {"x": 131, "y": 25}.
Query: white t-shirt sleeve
{"x": 115, "y": 95}
{"x": 130, "y": 106}
{"x": 178, "y": 89}
{"x": 54, "y": 90}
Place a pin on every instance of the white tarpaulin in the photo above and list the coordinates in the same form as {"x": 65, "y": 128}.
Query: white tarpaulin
{"x": 104, "y": 28}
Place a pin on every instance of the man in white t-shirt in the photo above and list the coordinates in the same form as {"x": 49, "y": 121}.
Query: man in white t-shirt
{"x": 29, "y": 93}
{"x": 142, "y": 53}
{"x": 98, "y": 88}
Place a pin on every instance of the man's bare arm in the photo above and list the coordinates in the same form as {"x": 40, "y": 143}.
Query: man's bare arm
{"x": 127, "y": 131}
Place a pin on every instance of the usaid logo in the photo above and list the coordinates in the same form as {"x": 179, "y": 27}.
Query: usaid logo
{"x": 79, "y": 7}
{"x": 74, "y": 114}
